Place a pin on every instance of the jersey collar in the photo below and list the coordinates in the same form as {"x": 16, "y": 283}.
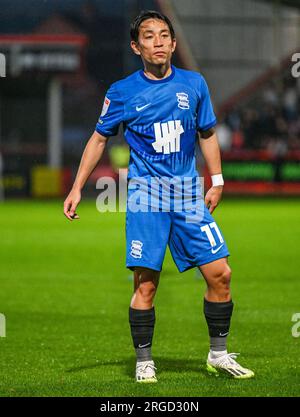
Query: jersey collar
{"x": 163, "y": 80}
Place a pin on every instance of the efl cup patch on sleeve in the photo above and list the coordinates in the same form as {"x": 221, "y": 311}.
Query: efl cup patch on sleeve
{"x": 105, "y": 106}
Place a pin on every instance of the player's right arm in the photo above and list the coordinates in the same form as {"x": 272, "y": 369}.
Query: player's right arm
{"x": 108, "y": 123}
{"x": 90, "y": 157}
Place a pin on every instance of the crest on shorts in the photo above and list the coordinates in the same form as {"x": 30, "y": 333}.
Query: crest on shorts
{"x": 136, "y": 248}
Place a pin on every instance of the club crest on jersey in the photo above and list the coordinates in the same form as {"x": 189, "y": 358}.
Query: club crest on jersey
{"x": 183, "y": 101}
{"x": 105, "y": 106}
{"x": 136, "y": 249}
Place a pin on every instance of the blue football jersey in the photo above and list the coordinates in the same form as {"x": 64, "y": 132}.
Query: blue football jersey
{"x": 160, "y": 119}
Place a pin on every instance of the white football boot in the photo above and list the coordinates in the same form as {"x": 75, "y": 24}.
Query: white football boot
{"x": 226, "y": 364}
{"x": 145, "y": 372}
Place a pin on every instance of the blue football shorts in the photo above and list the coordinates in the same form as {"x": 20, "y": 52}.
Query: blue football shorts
{"x": 194, "y": 239}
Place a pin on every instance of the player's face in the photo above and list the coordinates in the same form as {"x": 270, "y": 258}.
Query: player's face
{"x": 155, "y": 44}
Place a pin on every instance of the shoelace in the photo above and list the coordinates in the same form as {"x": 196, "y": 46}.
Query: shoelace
{"x": 143, "y": 367}
{"x": 229, "y": 359}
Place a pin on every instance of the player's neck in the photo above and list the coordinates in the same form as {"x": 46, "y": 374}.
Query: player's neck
{"x": 155, "y": 72}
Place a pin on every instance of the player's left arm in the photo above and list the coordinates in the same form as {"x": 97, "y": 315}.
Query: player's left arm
{"x": 211, "y": 152}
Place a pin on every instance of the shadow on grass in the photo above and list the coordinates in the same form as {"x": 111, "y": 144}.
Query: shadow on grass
{"x": 98, "y": 364}
{"x": 164, "y": 364}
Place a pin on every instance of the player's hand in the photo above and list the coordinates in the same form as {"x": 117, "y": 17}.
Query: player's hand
{"x": 213, "y": 197}
{"x": 71, "y": 203}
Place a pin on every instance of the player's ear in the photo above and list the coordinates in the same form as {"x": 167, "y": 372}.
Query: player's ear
{"x": 135, "y": 47}
{"x": 174, "y": 45}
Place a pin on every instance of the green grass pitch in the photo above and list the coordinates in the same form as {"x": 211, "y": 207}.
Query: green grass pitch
{"x": 65, "y": 293}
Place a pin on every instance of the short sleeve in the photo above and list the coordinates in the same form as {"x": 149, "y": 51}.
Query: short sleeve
{"x": 111, "y": 114}
{"x": 206, "y": 117}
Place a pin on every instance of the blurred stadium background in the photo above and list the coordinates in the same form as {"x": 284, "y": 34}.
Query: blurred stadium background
{"x": 60, "y": 59}
{"x": 62, "y": 56}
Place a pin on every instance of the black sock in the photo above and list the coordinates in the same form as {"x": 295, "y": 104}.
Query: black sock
{"x": 142, "y": 327}
{"x": 218, "y": 317}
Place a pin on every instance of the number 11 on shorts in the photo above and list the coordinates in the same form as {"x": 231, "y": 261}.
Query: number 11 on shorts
{"x": 208, "y": 230}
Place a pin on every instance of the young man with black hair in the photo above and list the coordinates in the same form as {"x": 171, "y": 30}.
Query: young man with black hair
{"x": 162, "y": 109}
